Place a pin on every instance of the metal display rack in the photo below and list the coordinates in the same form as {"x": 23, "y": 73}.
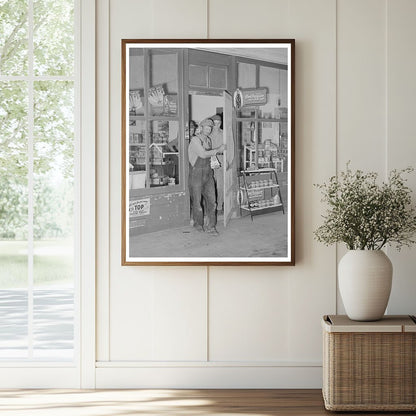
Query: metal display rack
{"x": 260, "y": 192}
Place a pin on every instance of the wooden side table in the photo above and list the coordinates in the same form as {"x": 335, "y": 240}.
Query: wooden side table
{"x": 369, "y": 366}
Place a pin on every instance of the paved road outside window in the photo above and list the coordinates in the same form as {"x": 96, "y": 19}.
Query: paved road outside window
{"x": 53, "y": 323}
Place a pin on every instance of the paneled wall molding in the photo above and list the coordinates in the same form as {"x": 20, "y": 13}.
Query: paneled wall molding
{"x": 203, "y": 364}
{"x": 210, "y": 377}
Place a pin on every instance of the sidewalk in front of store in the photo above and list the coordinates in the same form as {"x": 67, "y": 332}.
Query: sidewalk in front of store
{"x": 265, "y": 236}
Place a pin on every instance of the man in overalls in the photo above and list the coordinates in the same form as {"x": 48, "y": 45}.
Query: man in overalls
{"x": 201, "y": 177}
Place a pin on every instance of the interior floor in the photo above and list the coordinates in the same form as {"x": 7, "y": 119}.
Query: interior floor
{"x": 166, "y": 402}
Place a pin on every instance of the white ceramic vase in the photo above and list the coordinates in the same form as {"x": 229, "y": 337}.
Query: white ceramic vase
{"x": 364, "y": 278}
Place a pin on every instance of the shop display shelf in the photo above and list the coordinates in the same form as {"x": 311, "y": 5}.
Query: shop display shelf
{"x": 246, "y": 207}
{"x": 269, "y": 198}
{"x": 259, "y": 187}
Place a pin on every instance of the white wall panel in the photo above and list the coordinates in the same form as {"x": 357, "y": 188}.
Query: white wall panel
{"x": 180, "y": 315}
{"x": 159, "y": 316}
{"x": 154, "y": 19}
{"x": 246, "y": 20}
{"x": 131, "y": 316}
{"x": 179, "y": 19}
{"x": 133, "y": 19}
{"x": 401, "y": 142}
{"x": 248, "y": 310}
{"x": 361, "y": 84}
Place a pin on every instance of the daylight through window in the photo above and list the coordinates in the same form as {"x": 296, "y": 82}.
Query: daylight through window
{"x": 37, "y": 181}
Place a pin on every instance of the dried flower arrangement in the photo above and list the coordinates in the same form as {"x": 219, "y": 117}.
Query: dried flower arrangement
{"x": 366, "y": 215}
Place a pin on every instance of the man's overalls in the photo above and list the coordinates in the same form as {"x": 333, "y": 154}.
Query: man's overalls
{"x": 201, "y": 184}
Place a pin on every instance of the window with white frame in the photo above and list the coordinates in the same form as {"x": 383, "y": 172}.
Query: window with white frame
{"x": 38, "y": 183}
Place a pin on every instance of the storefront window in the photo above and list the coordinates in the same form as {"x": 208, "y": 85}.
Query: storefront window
{"x": 247, "y": 79}
{"x": 163, "y": 153}
{"x": 136, "y": 79}
{"x": 268, "y": 146}
{"x": 263, "y": 145}
{"x": 269, "y": 79}
{"x": 163, "y": 91}
{"x": 248, "y": 134}
{"x": 263, "y": 128}
{"x": 154, "y": 119}
{"x": 137, "y": 154}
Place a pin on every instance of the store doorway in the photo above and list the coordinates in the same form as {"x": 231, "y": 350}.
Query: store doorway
{"x": 201, "y": 106}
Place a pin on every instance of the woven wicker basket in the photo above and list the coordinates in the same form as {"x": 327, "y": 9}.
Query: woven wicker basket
{"x": 369, "y": 366}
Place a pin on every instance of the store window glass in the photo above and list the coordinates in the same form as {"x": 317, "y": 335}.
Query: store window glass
{"x": 136, "y": 82}
{"x": 163, "y": 89}
{"x": 247, "y": 132}
{"x": 163, "y": 153}
{"x": 269, "y": 78}
{"x": 137, "y": 154}
{"x": 268, "y": 146}
{"x": 264, "y": 129}
{"x": 247, "y": 79}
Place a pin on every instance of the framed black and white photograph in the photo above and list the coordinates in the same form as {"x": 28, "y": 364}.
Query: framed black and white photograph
{"x": 208, "y": 133}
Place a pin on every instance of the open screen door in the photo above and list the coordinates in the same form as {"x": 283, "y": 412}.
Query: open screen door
{"x": 228, "y": 157}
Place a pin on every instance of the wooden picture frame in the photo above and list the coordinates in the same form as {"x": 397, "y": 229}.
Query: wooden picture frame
{"x": 184, "y": 102}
